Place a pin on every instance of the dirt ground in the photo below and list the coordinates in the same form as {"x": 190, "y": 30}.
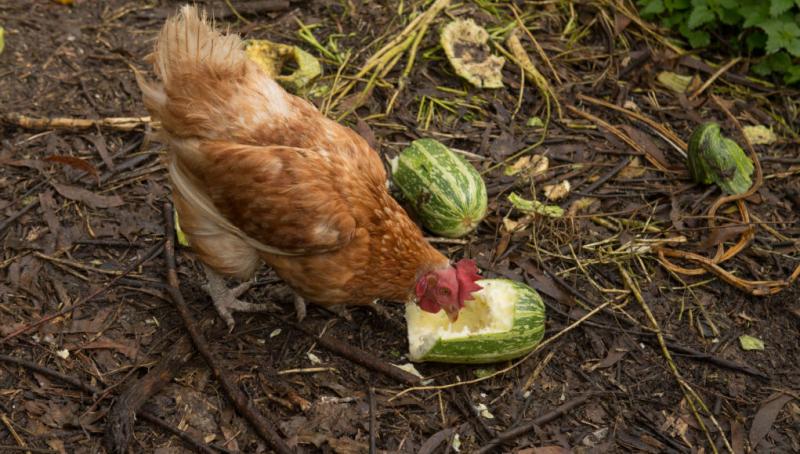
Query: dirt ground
{"x": 81, "y": 206}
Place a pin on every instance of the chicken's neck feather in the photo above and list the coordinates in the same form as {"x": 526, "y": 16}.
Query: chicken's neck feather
{"x": 400, "y": 252}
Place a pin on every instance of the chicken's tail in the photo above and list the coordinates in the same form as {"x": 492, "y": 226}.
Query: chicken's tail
{"x": 207, "y": 88}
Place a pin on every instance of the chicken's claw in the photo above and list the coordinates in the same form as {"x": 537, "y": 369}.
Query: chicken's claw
{"x": 227, "y": 301}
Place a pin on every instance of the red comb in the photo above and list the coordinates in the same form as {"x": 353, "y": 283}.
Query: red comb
{"x": 467, "y": 274}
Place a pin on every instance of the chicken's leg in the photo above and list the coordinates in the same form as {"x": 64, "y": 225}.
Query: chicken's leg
{"x": 227, "y": 301}
{"x": 300, "y": 307}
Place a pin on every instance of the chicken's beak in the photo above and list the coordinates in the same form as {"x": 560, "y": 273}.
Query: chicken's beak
{"x": 452, "y": 313}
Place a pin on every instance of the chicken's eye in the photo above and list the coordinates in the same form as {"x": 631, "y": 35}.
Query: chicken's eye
{"x": 444, "y": 291}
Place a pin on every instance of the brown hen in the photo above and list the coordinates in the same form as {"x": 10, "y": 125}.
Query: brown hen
{"x": 260, "y": 175}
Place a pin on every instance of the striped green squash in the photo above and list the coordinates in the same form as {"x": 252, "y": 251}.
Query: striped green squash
{"x": 445, "y": 190}
{"x": 504, "y": 320}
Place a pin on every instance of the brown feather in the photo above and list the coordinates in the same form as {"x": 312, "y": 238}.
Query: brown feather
{"x": 259, "y": 174}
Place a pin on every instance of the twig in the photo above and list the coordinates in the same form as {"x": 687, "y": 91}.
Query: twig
{"x": 358, "y": 356}
{"x": 608, "y": 175}
{"x": 236, "y": 13}
{"x": 12, "y": 448}
{"x": 13, "y": 432}
{"x": 543, "y": 419}
{"x": 244, "y": 406}
{"x": 620, "y": 135}
{"x": 373, "y": 421}
{"x": 199, "y": 446}
{"x": 666, "y": 134}
{"x": 11, "y": 219}
{"x": 691, "y": 396}
{"x": 156, "y": 421}
{"x": 722, "y": 70}
{"x": 120, "y": 419}
{"x": 23, "y": 329}
{"x": 649, "y": 336}
{"x": 118, "y": 123}
{"x": 52, "y": 373}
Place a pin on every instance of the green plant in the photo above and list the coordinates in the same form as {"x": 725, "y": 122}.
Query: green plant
{"x": 769, "y": 30}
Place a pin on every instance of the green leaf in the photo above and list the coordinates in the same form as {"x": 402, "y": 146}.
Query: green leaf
{"x": 699, "y": 16}
{"x": 762, "y": 68}
{"x": 751, "y": 343}
{"x": 756, "y": 40}
{"x": 781, "y": 34}
{"x": 729, "y": 16}
{"x": 697, "y": 38}
{"x": 652, "y": 8}
{"x": 778, "y": 7}
{"x": 674, "y": 5}
{"x": 792, "y": 75}
{"x": 2, "y": 40}
{"x": 674, "y": 20}
{"x": 794, "y": 47}
{"x": 779, "y": 62}
{"x": 754, "y": 13}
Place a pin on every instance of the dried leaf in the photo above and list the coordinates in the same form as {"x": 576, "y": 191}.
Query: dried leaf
{"x": 557, "y": 191}
{"x": 615, "y": 354}
{"x": 765, "y": 417}
{"x": 553, "y": 449}
{"x": 363, "y": 129}
{"x": 675, "y": 82}
{"x": 88, "y": 197}
{"x": 722, "y": 233}
{"x": 90, "y": 325}
{"x": 76, "y": 163}
{"x": 529, "y": 166}
{"x": 542, "y": 282}
{"x": 57, "y": 445}
{"x": 100, "y": 145}
{"x": 465, "y": 44}
{"x": 759, "y": 135}
{"x": 633, "y": 170}
{"x": 128, "y": 349}
{"x": 2, "y": 39}
{"x": 580, "y": 205}
{"x": 313, "y": 358}
{"x": 621, "y": 22}
{"x": 48, "y": 207}
{"x": 646, "y": 141}
{"x": 535, "y": 122}
{"x": 751, "y": 343}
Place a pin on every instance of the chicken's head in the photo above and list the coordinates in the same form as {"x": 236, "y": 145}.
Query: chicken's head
{"x": 447, "y": 289}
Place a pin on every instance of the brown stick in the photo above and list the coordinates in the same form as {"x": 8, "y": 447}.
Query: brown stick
{"x": 199, "y": 446}
{"x": 120, "y": 419}
{"x": 261, "y": 424}
{"x": 120, "y": 124}
{"x": 359, "y": 356}
{"x": 23, "y": 329}
{"x": 543, "y": 419}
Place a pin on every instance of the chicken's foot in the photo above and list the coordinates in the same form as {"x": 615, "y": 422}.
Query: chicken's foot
{"x": 227, "y": 301}
{"x": 300, "y": 307}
